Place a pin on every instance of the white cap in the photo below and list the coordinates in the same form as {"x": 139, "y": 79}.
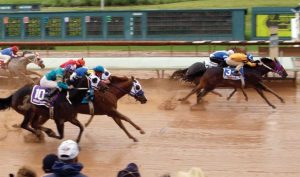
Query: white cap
{"x": 68, "y": 150}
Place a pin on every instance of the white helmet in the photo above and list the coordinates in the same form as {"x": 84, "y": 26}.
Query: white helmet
{"x": 230, "y": 52}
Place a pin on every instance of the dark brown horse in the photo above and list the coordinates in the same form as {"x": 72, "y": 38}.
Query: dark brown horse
{"x": 64, "y": 108}
{"x": 213, "y": 78}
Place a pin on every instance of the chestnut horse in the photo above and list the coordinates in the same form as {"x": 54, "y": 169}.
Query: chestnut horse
{"x": 106, "y": 103}
{"x": 213, "y": 78}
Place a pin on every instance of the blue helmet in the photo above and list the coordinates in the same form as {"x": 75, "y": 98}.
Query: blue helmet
{"x": 70, "y": 68}
{"x": 99, "y": 69}
{"x": 250, "y": 57}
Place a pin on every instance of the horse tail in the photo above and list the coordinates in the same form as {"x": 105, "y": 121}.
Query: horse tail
{"x": 5, "y": 103}
{"x": 179, "y": 74}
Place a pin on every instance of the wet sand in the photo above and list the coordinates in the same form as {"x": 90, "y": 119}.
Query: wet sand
{"x": 225, "y": 138}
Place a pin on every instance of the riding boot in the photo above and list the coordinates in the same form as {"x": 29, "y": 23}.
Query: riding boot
{"x": 236, "y": 73}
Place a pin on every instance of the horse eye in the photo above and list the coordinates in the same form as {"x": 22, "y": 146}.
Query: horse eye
{"x": 137, "y": 87}
{"x": 94, "y": 80}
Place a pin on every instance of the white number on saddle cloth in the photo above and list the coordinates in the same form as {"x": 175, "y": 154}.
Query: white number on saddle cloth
{"x": 227, "y": 74}
{"x": 37, "y": 95}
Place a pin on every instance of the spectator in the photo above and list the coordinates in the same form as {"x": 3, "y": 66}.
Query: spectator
{"x": 48, "y": 162}
{"x": 67, "y": 165}
{"x": 130, "y": 171}
{"x": 24, "y": 172}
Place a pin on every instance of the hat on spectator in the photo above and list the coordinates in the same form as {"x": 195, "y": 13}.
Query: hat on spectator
{"x": 130, "y": 171}
{"x": 68, "y": 150}
{"x": 48, "y": 162}
{"x": 193, "y": 172}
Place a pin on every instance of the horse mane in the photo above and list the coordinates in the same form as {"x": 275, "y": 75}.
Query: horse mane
{"x": 115, "y": 79}
{"x": 266, "y": 60}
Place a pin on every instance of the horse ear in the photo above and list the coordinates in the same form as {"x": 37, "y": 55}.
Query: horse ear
{"x": 132, "y": 77}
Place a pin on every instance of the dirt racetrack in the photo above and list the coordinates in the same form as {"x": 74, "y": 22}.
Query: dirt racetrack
{"x": 225, "y": 138}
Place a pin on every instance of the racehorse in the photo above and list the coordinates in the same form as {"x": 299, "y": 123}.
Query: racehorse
{"x": 17, "y": 65}
{"x": 213, "y": 78}
{"x": 64, "y": 108}
{"x": 106, "y": 103}
{"x": 194, "y": 72}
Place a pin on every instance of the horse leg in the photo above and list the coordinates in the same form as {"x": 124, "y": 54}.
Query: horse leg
{"x": 267, "y": 89}
{"x": 117, "y": 115}
{"x": 121, "y": 125}
{"x": 60, "y": 128}
{"x": 201, "y": 95}
{"x": 28, "y": 117}
{"x": 38, "y": 125}
{"x": 76, "y": 122}
{"x": 260, "y": 92}
{"x": 231, "y": 94}
{"x": 216, "y": 93}
{"x": 244, "y": 93}
{"x": 89, "y": 121}
{"x": 195, "y": 90}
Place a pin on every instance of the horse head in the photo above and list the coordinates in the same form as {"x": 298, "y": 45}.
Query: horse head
{"x": 137, "y": 91}
{"x": 34, "y": 57}
{"x": 274, "y": 66}
{"x": 88, "y": 82}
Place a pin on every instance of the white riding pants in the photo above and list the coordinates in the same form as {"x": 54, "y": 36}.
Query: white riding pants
{"x": 44, "y": 82}
{"x": 5, "y": 58}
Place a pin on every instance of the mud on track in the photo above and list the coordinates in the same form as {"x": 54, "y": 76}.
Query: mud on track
{"x": 225, "y": 138}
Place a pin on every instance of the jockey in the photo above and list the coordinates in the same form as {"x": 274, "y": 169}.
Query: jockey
{"x": 7, "y": 53}
{"x": 55, "y": 79}
{"x": 102, "y": 73}
{"x": 219, "y": 57}
{"x": 239, "y": 60}
{"x": 79, "y": 63}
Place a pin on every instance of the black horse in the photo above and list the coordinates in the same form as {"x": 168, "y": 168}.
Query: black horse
{"x": 64, "y": 107}
{"x": 213, "y": 78}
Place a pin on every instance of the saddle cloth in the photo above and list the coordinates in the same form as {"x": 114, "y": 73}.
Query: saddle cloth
{"x": 38, "y": 96}
{"x": 228, "y": 73}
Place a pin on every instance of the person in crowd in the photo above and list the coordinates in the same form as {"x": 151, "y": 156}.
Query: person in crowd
{"x": 130, "y": 171}
{"x": 78, "y": 63}
{"x": 24, "y": 172}
{"x": 7, "y": 53}
{"x": 48, "y": 162}
{"x": 218, "y": 57}
{"x": 67, "y": 165}
{"x": 55, "y": 80}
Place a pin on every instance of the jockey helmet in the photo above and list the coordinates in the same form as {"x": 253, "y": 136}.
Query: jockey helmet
{"x": 80, "y": 62}
{"x": 70, "y": 68}
{"x": 230, "y": 52}
{"x": 250, "y": 57}
{"x": 15, "y": 49}
{"x": 99, "y": 69}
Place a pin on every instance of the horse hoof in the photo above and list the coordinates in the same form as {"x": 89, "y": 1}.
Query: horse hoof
{"x": 142, "y": 132}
